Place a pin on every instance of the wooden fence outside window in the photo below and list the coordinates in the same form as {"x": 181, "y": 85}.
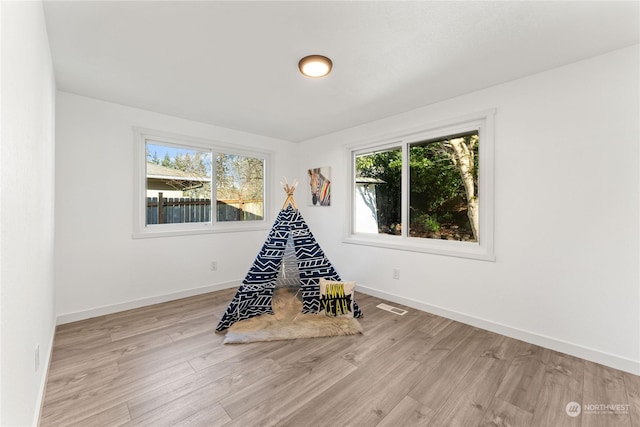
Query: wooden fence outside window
{"x": 179, "y": 210}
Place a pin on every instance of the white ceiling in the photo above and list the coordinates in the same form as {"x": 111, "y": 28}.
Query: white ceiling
{"x": 234, "y": 64}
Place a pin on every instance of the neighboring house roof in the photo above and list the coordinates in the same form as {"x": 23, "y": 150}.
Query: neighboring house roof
{"x": 163, "y": 172}
{"x": 163, "y": 178}
{"x": 365, "y": 180}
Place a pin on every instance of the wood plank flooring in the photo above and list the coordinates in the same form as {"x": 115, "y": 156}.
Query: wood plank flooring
{"x": 163, "y": 365}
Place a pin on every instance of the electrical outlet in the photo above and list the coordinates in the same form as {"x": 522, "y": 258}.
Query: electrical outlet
{"x": 214, "y": 266}
{"x": 37, "y": 357}
{"x": 396, "y": 273}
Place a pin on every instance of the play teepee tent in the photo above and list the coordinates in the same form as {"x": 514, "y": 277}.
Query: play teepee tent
{"x": 290, "y": 236}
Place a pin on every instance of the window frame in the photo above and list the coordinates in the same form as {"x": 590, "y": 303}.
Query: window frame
{"x": 140, "y": 227}
{"x": 483, "y": 122}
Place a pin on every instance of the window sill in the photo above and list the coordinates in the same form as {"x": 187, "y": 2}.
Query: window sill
{"x": 430, "y": 246}
{"x": 160, "y": 231}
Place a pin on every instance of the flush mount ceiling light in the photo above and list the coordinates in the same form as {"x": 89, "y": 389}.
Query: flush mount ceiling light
{"x": 315, "y": 66}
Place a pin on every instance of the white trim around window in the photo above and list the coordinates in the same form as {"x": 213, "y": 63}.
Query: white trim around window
{"x": 483, "y": 249}
{"x": 140, "y": 227}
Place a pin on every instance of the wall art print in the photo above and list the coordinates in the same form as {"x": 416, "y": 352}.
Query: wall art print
{"x": 320, "y": 186}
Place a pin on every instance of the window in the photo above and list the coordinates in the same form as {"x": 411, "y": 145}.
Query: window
{"x": 378, "y": 179}
{"x": 443, "y": 188}
{"x": 239, "y": 187}
{"x": 187, "y": 186}
{"x": 428, "y": 191}
{"x": 178, "y": 186}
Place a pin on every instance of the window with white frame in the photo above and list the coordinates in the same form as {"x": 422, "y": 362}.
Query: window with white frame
{"x": 187, "y": 185}
{"x": 428, "y": 191}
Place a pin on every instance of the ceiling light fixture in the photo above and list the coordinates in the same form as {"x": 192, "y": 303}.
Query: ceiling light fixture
{"x": 315, "y": 66}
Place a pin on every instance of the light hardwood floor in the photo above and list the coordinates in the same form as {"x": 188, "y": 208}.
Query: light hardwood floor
{"x": 164, "y": 365}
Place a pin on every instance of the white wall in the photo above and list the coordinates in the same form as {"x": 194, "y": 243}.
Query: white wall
{"x": 566, "y": 214}
{"x": 99, "y": 267}
{"x": 26, "y": 211}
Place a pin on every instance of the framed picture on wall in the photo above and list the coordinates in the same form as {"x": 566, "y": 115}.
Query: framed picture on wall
{"x": 319, "y": 186}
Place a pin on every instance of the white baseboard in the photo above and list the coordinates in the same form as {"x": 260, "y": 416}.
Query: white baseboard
{"x": 128, "y": 305}
{"x": 43, "y": 383}
{"x": 597, "y": 356}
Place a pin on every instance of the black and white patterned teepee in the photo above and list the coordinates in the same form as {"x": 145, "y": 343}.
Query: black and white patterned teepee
{"x": 254, "y": 295}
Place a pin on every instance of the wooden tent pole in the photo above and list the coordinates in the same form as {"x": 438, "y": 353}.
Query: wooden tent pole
{"x": 289, "y": 189}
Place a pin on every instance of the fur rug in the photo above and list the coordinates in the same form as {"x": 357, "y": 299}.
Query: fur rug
{"x": 288, "y": 323}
